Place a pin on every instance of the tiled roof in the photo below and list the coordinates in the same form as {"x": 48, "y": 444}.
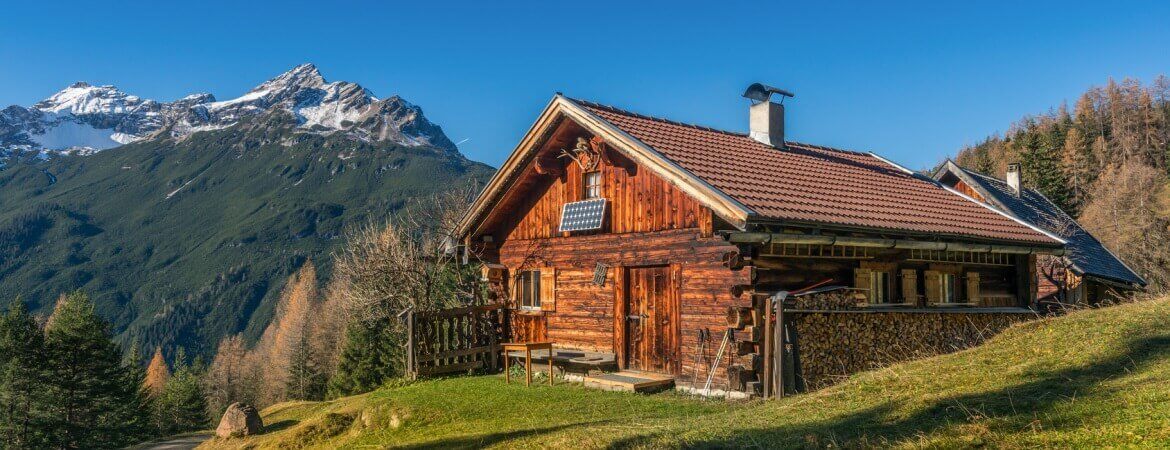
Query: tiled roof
{"x": 815, "y": 184}
{"x": 1083, "y": 251}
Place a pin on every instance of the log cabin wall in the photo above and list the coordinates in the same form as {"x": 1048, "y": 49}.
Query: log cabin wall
{"x": 585, "y": 316}
{"x": 649, "y": 222}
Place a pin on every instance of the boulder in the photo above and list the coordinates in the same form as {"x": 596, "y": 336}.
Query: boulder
{"x": 239, "y": 420}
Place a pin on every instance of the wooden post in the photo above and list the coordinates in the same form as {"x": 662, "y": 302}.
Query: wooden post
{"x": 550, "y": 366}
{"x": 794, "y": 340}
{"x": 778, "y": 349}
{"x": 411, "y": 365}
{"x": 768, "y": 348}
{"x": 527, "y": 366}
{"x": 493, "y": 341}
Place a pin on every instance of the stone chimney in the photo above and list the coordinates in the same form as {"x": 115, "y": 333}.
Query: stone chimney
{"x": 766, "y": 118}
{"x": 1013, "y": 178}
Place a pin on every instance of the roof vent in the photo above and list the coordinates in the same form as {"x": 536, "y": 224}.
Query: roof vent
{"x": 1013, "y": 178}
{"x": 766, "y": 119}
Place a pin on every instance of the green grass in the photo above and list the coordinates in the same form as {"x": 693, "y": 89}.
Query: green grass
{"x": 1095, "y": 379}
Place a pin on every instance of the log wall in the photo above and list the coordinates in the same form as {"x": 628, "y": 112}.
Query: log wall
{"x": 584, "y": 317}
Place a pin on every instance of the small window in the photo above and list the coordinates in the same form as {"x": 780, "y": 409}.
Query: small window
{"x": 528, "y": 289}
{"x": 949, "y": 288}
{"x": 592, "y": 185}
{"x": 879, "y": 287}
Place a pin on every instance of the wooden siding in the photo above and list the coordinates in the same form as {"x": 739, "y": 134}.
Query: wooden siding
{"x": 638, "y": 201}
{"x": 969, "y": 191}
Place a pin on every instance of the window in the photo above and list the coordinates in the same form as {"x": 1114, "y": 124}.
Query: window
{"x": 528, "y": 289}
{"x": 879, "y": 287}
{"x": 592, "y": 185}
{"x": 948, "y": 288}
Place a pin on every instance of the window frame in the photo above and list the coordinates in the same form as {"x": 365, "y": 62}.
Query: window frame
{"x": 591, "y": 190}
{"x": 528, "y": 290}
{"x": 880, "y": 282}
{"x": 948, "y": 284}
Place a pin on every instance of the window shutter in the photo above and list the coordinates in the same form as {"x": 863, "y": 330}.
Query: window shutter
{"x": 910, "y": 286}
{"x": 973, "y": 287}
{"x": 548, "y": 289}
{"x": 516, "y": 286}
{"x": 933, "y": 286}
{"x": 862, "y": 280}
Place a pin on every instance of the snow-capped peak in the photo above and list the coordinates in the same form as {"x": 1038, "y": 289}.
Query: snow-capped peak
{"x": 83, "y": 98}
{"x": 90, "y": 118}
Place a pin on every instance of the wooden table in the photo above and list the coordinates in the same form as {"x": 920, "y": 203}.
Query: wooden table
{"x": 527, "y": 347}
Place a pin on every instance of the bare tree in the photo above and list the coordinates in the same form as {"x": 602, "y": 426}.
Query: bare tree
{"x": 410, "y": 262}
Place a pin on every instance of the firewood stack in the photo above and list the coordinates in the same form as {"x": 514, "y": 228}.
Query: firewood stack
{"x": 833, "y": 346}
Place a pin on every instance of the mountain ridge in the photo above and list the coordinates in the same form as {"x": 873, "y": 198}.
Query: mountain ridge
{"x": 83, "y": 118}
{"x": 184, "y": 238}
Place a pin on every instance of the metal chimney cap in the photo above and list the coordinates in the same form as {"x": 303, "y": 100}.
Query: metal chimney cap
{"x": 760, "y": 92}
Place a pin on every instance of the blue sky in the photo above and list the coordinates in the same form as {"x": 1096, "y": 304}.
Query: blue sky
{"x": 913, "y": 81}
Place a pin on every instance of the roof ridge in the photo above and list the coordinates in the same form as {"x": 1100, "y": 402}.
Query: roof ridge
{"x": 654, "y": 118}
{"x": 707, "y": 128}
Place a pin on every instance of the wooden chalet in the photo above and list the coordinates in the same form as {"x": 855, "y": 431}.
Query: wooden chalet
{"x": 648, "y": 243}
{"x": 1087, "y": 273}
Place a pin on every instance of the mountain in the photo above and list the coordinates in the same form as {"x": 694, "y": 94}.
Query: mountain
{"x": 187, "y": 233}
{"x": 84, "y": 119}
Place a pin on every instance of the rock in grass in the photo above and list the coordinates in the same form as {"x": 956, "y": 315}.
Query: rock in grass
{"x": 239, "y": 420}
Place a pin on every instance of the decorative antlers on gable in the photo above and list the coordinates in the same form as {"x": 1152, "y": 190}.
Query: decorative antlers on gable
{"x": 587, "y": 153}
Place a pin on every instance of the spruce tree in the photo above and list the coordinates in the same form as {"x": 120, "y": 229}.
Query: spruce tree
{"x": 371, "y": 356}
{"x": 95, "y": 400}
{"x": 22, "y": 419}
{"x": 1040, "y": 163}
{"x": 183, "y": 404}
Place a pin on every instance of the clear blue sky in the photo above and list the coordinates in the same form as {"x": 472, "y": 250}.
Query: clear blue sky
{"x": 912, "y": 81}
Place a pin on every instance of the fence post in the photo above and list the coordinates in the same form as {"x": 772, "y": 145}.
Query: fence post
{"x": 411, "y": 345}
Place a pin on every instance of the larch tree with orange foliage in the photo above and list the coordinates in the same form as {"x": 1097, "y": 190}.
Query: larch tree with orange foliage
{"x": 157, "y": 374}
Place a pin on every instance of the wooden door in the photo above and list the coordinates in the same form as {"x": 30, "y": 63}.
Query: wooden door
{"x": 651, "y": 331}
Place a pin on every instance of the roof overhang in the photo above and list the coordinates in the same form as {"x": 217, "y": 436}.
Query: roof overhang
{"x": 561, "y": 107}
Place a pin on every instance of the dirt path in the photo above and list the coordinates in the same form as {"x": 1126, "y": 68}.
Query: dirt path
{"x": 178, "y": 443}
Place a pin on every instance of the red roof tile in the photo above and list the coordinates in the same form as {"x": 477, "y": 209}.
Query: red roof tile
{"x": 817, "y": 184}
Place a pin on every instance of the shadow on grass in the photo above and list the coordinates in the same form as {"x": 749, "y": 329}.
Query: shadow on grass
{"x": 280, "y": 425}
{"x": 484, "y": 440}
{"x": 1017, "y": 404}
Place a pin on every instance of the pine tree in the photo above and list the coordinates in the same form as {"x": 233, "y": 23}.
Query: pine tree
{"x": 371, "y": 356}
{"x": 95, "y": 401}
{"x": 182, "y": 403}
{"x": 1041, "y": 166}
{"x": 22, "y": 419}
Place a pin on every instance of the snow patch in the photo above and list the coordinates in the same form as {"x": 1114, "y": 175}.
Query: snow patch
{"x": 69, "y": 135}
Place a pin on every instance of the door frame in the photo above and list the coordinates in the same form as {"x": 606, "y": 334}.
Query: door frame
{"x": 621, "y": 309}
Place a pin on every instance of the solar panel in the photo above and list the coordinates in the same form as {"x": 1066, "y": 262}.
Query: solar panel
{"x": 583, "y": 215}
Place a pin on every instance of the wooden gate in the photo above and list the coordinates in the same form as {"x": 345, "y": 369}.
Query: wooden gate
{"x": 455, "y": 340}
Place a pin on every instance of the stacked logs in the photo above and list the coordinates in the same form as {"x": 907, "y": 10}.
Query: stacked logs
{"x": 835, "y": 345}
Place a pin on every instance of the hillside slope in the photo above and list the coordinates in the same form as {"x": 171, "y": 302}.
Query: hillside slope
{"x": 181, "y": 242}
{"x": 1090, "y": 379}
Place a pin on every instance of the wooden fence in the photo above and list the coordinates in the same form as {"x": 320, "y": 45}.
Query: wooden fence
{"x": 455, "y": 340}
